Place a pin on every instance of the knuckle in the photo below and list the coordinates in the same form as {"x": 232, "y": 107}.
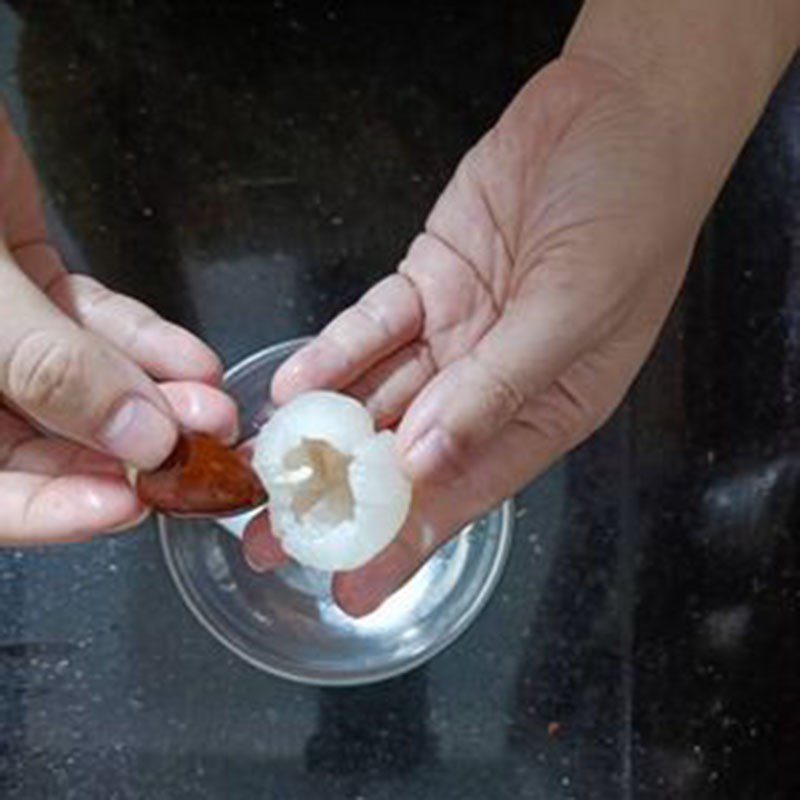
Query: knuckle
{"x": 583, "y": 416}
{"x": 44, "y": 372}
{"x": 373, "y": 313}
{"x": 560, "y": 421}
{"x": 504, "y": 397}
{"x": 134, "y": 325}
{"x": 92, "y": 291}
{"x": 422, "y": 354}
{"x": 335, "y": 342}
{"x": 393, "y": 307}
{"x": 501, "y": 399}
{"x": 76, "y": 293}
{"x": 96, "y": 301}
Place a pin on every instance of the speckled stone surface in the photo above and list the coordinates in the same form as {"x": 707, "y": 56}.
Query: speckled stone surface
{"x": 248, "y": 168}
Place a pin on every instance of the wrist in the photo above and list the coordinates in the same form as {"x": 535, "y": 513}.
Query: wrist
{"x": 705, "y": 69}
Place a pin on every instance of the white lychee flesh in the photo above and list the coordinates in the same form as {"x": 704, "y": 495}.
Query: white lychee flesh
{"x": 337, "y": 492}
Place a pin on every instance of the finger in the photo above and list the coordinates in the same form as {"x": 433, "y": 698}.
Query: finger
{"x": 364, "y": 590}
{"x": 477, "y": 395}
{"x": 387, "y": 317}
{"x": 14, "y": 432}
{"x": 24, "y": 449}
{"x": 430, "y": 524}
{"x": 203, "y": 408}
{"x": 460, "y": 302}
{"x": 439, "y": 511}
{"x": 158, "y": 346}
{"x": 550, "y": 425}
{"x": 39, "y": 509}
{"x": 74, "y": 383}
{"x": 389, "y": 387}
{"x": 262, "y": 550}
{"x": 198, "y": 407}
{"x": 164, "y": 350}
{"x": 43, "y": 456}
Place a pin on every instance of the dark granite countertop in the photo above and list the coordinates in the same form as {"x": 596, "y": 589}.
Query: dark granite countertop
{"x": 248, "y": 168}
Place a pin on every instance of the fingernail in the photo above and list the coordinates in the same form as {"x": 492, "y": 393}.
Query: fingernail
{"x": 429, "y": 455}
{"x": 136, "y": 431}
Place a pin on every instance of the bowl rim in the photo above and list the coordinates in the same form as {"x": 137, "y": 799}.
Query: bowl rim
{"x": 376, "y": 674}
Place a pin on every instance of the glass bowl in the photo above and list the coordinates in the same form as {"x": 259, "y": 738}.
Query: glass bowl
{"x": 286, "y": 622}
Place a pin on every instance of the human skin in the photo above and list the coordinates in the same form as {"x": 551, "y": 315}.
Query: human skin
{"x": 72, "y": 357}
{"x": 523, "y": 311}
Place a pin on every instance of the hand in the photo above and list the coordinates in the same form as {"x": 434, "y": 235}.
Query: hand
{"x": 523, "y": 312}
{"x": 520, "y": 315}
{"x": 77, "y": 370}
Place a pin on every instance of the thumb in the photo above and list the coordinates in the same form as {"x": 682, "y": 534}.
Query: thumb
{"x": 474, "y": 397}
{"x": 74, "y": 383}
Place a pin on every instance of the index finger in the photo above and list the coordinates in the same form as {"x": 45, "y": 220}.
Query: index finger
{"x": 164, "y": 350}
{"x": 386, "y": 318}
